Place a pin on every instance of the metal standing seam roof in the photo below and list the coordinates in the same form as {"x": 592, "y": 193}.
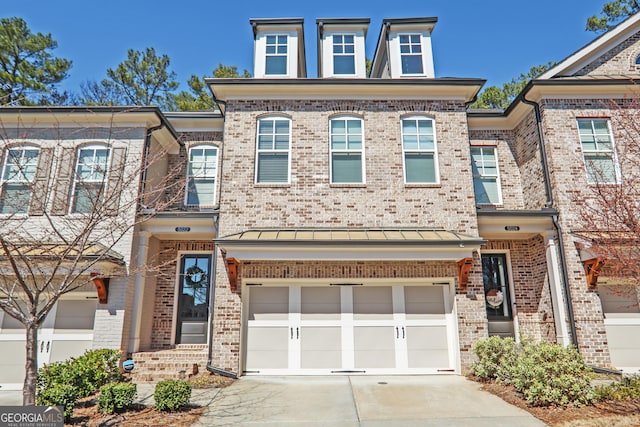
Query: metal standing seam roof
{"x": 350, "y": 235}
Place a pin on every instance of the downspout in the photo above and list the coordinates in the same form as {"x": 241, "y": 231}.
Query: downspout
{"x": 214, "y": 266}
{"x": 556, "y": 224}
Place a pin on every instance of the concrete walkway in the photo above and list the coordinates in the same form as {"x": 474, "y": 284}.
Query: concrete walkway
{"x": 361, "y": 401}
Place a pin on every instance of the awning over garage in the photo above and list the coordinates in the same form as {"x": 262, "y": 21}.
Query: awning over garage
{"x": 344, "y": 244}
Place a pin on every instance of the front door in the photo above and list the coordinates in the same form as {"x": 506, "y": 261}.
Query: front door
{"x": 497, "y": 295}
{"x": 193, "y": 299}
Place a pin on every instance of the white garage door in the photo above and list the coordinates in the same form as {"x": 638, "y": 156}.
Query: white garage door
{"x": 622, "y": 323}
{"x": 349, "y": 329}
{"x": 67, "y": 331}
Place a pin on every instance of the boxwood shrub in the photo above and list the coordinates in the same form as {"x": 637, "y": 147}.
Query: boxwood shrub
{"x": 115, "y": 397}
{"x": 172, "y": 395}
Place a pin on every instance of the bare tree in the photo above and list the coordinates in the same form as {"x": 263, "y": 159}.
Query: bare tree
{"x": 68, "y": 214}
{"x": 609, "y": 207}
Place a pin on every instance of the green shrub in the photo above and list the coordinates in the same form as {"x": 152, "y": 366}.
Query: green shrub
{"x": 546, "y": 374}
{"x": 64, "y": 395}
{"x": 172, "y": 395}
{"x": 86, "y": 373}
{"x": 627, "y": 388}
{"x": 495, "y": 354}
{"x": 115, "y": 397}
{"x": 550, "y": 374}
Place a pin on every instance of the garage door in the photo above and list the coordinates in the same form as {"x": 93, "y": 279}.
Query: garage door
{"x": 349, "y": 329}
{"x": 622, "y": 323}
{"x": 67, "y": 331}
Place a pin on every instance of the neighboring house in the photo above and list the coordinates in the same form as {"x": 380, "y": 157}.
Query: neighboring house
{"x": 63, "y": 170}
{"x": 356, "y": 223}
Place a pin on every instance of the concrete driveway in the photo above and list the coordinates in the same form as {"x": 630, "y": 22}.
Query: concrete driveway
{"x": 361, "y": 401}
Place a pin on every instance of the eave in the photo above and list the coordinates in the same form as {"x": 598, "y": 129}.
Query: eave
{"x": 460, "y": 89}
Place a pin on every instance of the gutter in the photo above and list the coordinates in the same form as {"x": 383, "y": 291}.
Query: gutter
{"x": 556, "y": 224}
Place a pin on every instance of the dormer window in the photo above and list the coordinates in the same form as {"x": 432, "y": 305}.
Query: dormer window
{"x": 276, "y": 55}
{"x": 411, "y": 53}
{"x": 344, "y": 59}
{"x": 279, "y": 48}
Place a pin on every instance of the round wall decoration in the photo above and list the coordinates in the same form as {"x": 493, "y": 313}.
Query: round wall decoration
{"x": 195, "y": 277}
{"x": 494, "y": 298}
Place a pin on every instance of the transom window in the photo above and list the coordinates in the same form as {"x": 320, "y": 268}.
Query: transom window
{"x": 273, "y": 148}
{"x": 419, "y": 151}
{"x": 486, "y": 181}
{"x": 201, "y": 176}
{"x": 598, "y": 150}
{"x": 18, "y": 174}
{"x": 347, "y": 150}
{"x": 90, "y": 177}
{"x": 276, "y": 59}
{"x": 344, "y": 61}
{"x": 411, "y": 53}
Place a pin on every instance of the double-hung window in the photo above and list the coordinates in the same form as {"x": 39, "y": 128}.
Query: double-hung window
{"x": 598, "y": 150}
{"x": 90, "y": 177}
{"x": 276, "y": 55}
{"x": 273, "y": 150}
{"x": 347, "y": 150}
{"x": 201, "y": 176}
{"x": 486, "y": 181}
{"x": 344, "y": 59}
{"x": 18, "y": 175}
{"x": 419, "y": 151}
{"x": 411, "y": 53}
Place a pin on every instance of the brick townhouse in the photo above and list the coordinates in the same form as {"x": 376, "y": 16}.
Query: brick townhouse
{"x": 371, "y": 222}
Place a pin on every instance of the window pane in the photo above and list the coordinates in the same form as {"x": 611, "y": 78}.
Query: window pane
{"x": 265, "y": 142}
{"x": 411, "y": 64}
{"x": 201, "y": 192}
{"x": 601, "y": 127}
{"x": 338, "y": 142}
{"x": 346, "y": 168}
{"x": 409, "y": 126}
{"x": 86, "y": 194}
{"x": 282, "y": 126}
{"x": 348, "y": 39}
{"x": 273, "y": 167}
{"x": 265, "y": 126}
{"x": 344, "y": 64}
{"x": 276, "y": 65}
{"x": 338, "y": 126}
{"x": 15, "y": 198}
{"x": 282, "y": 142}
{"x": 420, "y": 168}
{"x": 486, "y": 190}
{"x": 600, "y": 168}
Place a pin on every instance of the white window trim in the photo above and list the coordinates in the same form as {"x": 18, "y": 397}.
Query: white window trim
{"x": 434, "y": 151}
{"x": 7, "y": 150}
{"x": 259, "y": 151}
{"x": 496, "y": 176}
{"x": 104, "y": 181}
{"x": 613, "y": 151}
{"x": 422, "y": 54}
{"x": 353, "y": 55}
{"x": 287, "y": 55}
{"x": 215, "y": 178}
{"x": 363, "y": 179}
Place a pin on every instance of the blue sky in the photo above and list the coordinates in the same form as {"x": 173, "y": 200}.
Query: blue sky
{"x": 492, "y": 39}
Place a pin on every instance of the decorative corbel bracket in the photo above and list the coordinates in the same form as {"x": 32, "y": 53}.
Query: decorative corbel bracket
{"x": 464, "y": 269}
{"x": 592, "y": 270}
{"x": 102, "y": 286}
{"x": 232, "y": 272}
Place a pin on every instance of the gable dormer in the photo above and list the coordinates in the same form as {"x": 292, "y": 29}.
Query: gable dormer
{"x": 404, "y": 49}
{"x": 278, "y": 48}
{"x": 341, "y": 48}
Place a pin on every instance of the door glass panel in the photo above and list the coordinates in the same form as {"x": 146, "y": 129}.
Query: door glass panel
{"x": 372, "y": 303}
{"x": 320, "y": 303}
{"x": 496, "y": 287}
{"x": 193, "y": 302}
